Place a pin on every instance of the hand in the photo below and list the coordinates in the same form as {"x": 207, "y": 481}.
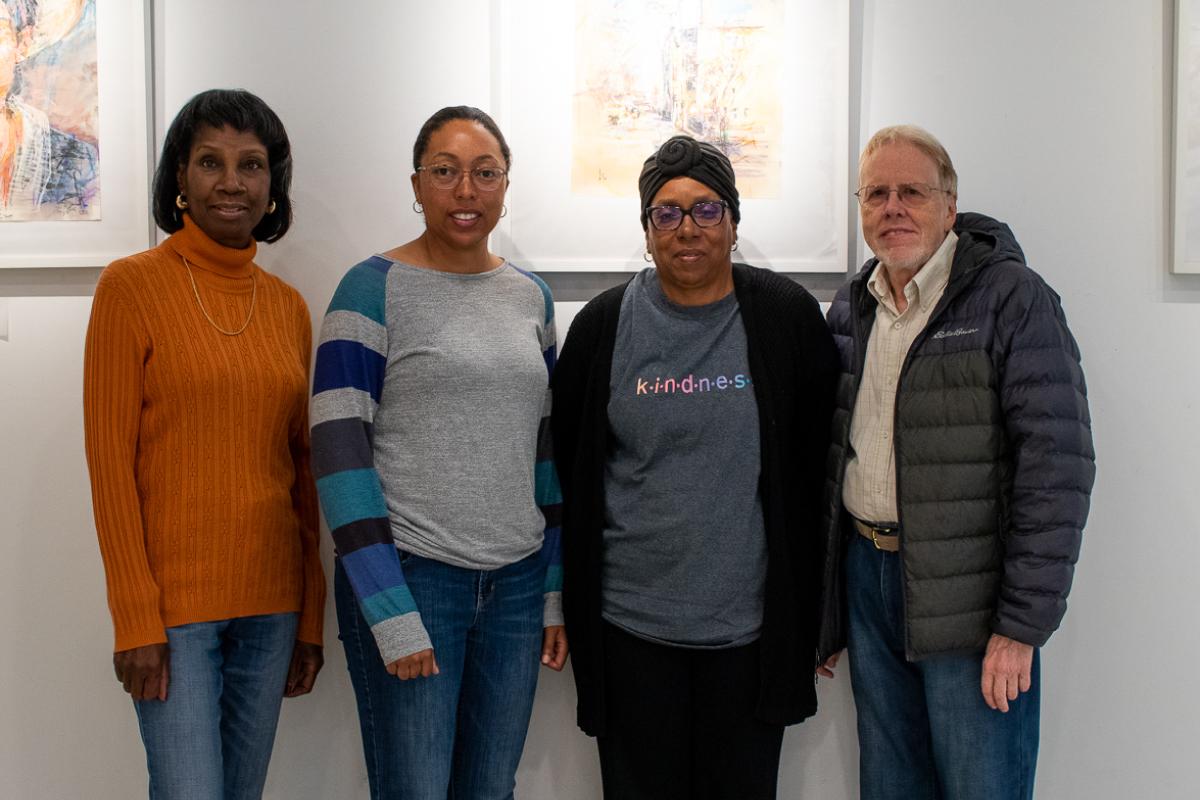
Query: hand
{"x": 826, "y": 670}
{"x": 1007, "y": 665}
{"x": 143, "y": 671}
{"x": 420, "y": 664}
{"x": 307, "y": 660}
{"x": 554, "y": 647}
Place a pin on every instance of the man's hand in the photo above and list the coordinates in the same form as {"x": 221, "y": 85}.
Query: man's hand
{"x": 143, "y": 671}
{"x": 420, "y": 664}
{"x": 554, "y": 647}
{"x": 826, "y": 670}
{"x": 307, "y": 660}
{"x": 1007, "y": 665}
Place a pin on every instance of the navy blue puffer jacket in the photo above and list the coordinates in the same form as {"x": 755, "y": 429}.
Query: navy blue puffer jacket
{"x": 994, "y": 459}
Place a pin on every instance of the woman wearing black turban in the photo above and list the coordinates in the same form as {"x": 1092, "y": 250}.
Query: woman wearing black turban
{"x": 691, "y": 419}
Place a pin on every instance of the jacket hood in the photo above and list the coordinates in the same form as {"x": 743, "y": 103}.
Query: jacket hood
{"x": 996, "y": 235}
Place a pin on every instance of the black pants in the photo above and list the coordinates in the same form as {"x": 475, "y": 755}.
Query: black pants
{"x": 680, "y": 723}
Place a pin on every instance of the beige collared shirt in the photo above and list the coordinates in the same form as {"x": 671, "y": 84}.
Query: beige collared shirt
{"x": 869, "y": 491}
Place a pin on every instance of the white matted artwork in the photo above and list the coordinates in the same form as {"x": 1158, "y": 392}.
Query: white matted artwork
{"x": 73, "y": 75}
{"x": 586, "y": 91}
{"x": 1187, "y": 138}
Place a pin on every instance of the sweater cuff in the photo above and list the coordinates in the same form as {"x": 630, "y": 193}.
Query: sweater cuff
{"x": 137, "y": 620}
{"x": 312, "y": 608}
{"x": 311, "y": 628}
{"x": 139, "y": 637}
{"x": 552, "y": 613}
{"x": 401, "y": 636}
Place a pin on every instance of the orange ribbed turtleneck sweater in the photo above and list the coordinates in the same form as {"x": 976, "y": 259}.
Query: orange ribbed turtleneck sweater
{"x": 197, "y": 442}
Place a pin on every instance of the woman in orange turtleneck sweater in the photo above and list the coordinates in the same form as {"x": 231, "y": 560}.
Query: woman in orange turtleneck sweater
{"x": 195, "y": 386}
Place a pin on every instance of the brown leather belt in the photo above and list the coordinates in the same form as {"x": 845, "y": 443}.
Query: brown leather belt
{"x": 887, "y": 539}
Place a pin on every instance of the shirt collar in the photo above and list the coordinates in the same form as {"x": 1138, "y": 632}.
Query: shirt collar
{"x": 930, "y": 279}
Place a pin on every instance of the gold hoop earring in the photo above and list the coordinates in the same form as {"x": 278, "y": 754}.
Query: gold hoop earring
{"x": 181, "y": 202}
{"x": 647, "y": 257}
{"x": 417, "y": 207}
{"x": 271, "y": 208}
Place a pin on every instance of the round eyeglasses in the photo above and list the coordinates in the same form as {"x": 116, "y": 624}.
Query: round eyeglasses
{"x": 705, "y": 214}
{"x": 447, "y": 176}
{"x": 910, "y": 195}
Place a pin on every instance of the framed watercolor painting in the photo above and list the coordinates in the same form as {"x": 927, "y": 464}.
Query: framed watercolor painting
{"x": 1186, "y": 201}
{"x": 74, "y": 165}
{"x": 609, "y": 81}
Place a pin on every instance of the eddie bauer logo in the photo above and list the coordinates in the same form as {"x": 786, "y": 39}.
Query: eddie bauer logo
{"x": 955, "y": 332}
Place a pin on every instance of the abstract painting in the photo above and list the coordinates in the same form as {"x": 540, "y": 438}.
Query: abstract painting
{"x": 49, "y": 142}
{"x": 649, "y": 70}
{"x": 1187, "y": 138}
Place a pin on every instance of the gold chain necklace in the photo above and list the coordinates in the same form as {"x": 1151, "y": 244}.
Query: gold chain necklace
{"x": 199, "y": 302}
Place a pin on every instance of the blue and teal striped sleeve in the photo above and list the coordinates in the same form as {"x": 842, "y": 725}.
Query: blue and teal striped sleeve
{"x": 547, "y": 492}
{"x": 347, "y": 386}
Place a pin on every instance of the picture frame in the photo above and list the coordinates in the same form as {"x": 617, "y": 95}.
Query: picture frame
{"x": 124, "y": 226}
{"x": 552, "y": 228}
{"x": 1186, "y": 173}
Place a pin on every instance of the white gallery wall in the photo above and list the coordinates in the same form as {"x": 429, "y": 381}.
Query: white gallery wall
{"x": 1056, "y": 115}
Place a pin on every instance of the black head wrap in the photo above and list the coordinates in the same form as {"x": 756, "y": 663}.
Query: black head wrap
{"x": 686, "y": 157}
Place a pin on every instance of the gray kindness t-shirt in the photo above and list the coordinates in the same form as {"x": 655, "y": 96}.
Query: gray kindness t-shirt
{"x": 685, "y": 552}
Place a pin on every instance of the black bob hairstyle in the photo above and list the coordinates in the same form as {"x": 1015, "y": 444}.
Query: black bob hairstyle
{"x": 244, "y": 112}
{"x": 450, "y": 114}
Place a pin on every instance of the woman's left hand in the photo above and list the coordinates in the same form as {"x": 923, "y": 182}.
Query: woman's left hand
{"x": 554, "y": 647}
{"x": 307, "y": 660}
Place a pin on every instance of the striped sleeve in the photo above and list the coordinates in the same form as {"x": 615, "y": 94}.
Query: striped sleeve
{"x": 547, "y": 492}
{"x": 347, "y": 386}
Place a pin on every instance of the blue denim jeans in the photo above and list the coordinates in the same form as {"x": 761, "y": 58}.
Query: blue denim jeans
{"x": 211, "y": 738}
{"x": 924, "y": 730}
{"x": 458, "y": 733}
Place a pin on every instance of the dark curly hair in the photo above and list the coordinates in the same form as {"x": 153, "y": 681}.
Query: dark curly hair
{"x": 244, "y": 112}
{"x": 449, "y": 114}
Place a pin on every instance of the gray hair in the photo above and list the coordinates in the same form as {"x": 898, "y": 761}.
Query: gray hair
{"x": 924, "y": 141}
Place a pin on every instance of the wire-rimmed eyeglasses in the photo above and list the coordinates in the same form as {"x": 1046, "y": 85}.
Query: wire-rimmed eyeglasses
{"x": 447, "y": 176}
{"x": 910, "y": 195}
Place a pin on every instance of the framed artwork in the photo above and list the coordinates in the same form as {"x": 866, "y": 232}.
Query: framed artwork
{"x": 1186, "y": 201}
{"x": 74, "y": 141}
{"x": 608, "y": 81}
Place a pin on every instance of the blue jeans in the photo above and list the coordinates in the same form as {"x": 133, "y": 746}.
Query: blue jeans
{"x": 211, "y": 738}
{"x": 924, "y": 730}
{"x": 458, "y": 733}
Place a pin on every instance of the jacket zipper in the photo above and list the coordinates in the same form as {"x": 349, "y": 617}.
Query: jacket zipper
{"x": 943, "y": 304}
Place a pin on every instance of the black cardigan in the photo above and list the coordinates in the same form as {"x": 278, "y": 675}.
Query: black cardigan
{"x": 794, "y": 369}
